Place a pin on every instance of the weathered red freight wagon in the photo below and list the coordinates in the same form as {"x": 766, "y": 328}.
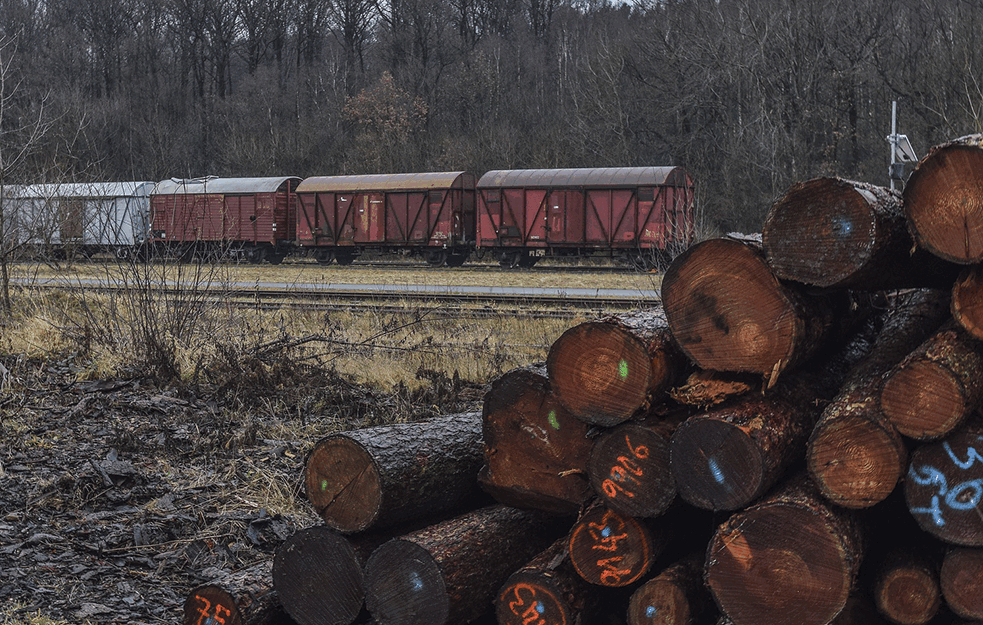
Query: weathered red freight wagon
{"x": 246, "y": 218}
{"x": 431, "y": 214}
{"x": 643, "y": 214}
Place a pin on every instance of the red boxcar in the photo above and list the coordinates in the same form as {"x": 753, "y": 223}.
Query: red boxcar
{"x": 431, "y": 214}
{"x": 248, "y": 218}
{"x": 644, "y": 214}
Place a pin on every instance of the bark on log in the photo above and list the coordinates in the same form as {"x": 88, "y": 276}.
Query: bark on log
{"x": 676, "y": 596}
{"x": 318, "y": 575}
{"x": 611, "y": 549}
{"x": 906, "y": 589}
{"x": 535, "y": 451}
{"x": 967, "y": 301}
{"x": 394, "y": 473}
{"x": 855, "y": 456}
{"x": 937, "y": 386}
{"x": 449, "y": 573}
{"x": 605, "y": 371}
{"x": 944, "y": 487}
{"x": 943, "y": 200}
{"x": 705, "y": 388}
{"x": 245, "y": 597}
{"x": 836, "y": 233}
{"x": 729, "y": 312}
{"x": 789, "y": 559}
{"x": 547, "y": 590}
{"x": 961, "y": 578}
{"x": 629, "y": 467}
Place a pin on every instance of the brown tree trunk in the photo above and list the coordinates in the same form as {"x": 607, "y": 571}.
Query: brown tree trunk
{"x": 629, "y": 467}
{"x": 937, "y": 386}
{"x": 836, "y": 233}
{"x": 906, "y": 589}
{"x": 855, "y": 456}
{"x": 790, "y": 559}
{"x": 962, "y": 570}
{"x": 606, "y": 371}
{"x": 676, "y": 596}
{"x": 449, "y": 572}
{"x": 242, "y": 598}
{"x": 547, "y": 590}
{"x": 944, "y": 487}
{"x": 535, "y": 451}
{"x": 729, "y": 312}
{"x": 394, "y": 473}
{"x": 318, "y": 575}
{"x": 611, "y": 549}
{"x": 942, "y": 200}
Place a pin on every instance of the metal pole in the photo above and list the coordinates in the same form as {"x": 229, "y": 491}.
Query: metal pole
{"x": 893, "y": 139}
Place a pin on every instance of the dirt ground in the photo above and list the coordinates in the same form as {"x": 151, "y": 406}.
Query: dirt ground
{"x": 118, "y": 496}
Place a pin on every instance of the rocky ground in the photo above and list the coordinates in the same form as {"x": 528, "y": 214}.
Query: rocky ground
{"x": 118, "y": 496}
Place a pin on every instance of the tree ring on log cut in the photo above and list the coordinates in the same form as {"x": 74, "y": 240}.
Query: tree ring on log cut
{"x": 781, "y": 564}
{"x": 943, "y": 201}
{"x": 658, "y": 602}
{"x": 829, "y": 210}
{"x": 944, "y": 488}
{"x": 967, "y": 300}
{"x": 211, "y": 604}
{"x": 716, "y": 464}
{"x": 923, "y": 400}
{"x": 318, "y": 578}
{"x": 600, "y": 372}
{"x": 730, "y": 313}
{"x": 855, "y": 462}
{"x": 609, "y": 549}
{"x": 908, "y": 596}
{"x": 962, "y": 570}
{"x": 628, "y": 468}
{"x": 529, "y": 598}
{"x": 343, "y": 484}
{"x": 405, "y": 586}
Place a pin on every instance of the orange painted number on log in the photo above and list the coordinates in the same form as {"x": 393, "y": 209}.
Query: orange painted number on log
{"x": 530, "y": 615}
{"x": 203, "y": 612}
{"x": 605, "y": 538}
{"x": 610, "y": 574}
{"x": 624, "y": 470}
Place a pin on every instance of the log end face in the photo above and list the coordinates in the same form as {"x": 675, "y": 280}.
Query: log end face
{"x": 210, "y": 604}
{"x": 923, "y": 400}
{"x": 343, "y": 484}
{"x": 531, "y": 599}
{"x": 967, "y": 301}
{"x": 821, "y": 232}
{"x": 716, "y": 465}
{"x": 944, "y": 203}
{"x": 962, "y": 570}
{"x": 404, "y": 584}
{"x": 855, "y": 462}
{"x": 599, "y": 372}
{"x": 610, "y": 549}
{"x": 629, "y": 469}
{"x": 908, "y": 596}
{"x": 658, "y": 602}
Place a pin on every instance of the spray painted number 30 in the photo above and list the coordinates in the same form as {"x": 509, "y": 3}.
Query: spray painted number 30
{"x": 965, "y": 495}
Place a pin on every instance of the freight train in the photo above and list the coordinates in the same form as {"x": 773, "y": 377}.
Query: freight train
{"x": 640, "y": 214}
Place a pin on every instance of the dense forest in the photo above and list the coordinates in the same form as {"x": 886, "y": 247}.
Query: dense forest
{"x": 749, "y": 95}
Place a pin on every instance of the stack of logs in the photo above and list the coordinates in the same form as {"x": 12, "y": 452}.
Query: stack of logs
{"x": 792, "y": 438}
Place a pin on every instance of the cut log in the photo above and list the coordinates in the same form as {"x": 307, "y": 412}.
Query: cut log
{"x": 547, "y": 590}
{"x": 450, "y": 572}
{"x": 318, "y": 575}
{"x": 944, "y": 487}
{"x": 859, "y": 610}
{"x": 395, "y": 473}
{"x": 605, "y": 371}
{"x": 729, "y": 312}
{"x": 855, "y": 455}
{"x": 961, "y": 579}
{"x": 943, "y": 200}
{"x": 937, "y": 386}
{"x": 629, "y": 467}
{"x": 967, "y": 301}
{"x": 611, "y": 549}
{"x": 836, "y": 233}
{"x": 244, "y": 597}
{"x": 789, "y": 559}
{"x": 906, "y": 589}
{"x": 676, "y": 596}
{"x": 535, "y": 451}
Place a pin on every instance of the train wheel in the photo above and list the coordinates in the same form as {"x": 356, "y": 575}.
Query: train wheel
{"x": 345, "y": 258}
{"x": 256, "y": 255}
{"x": 275, "y": 258}
{"x": 527, "y": 262}
{"x": 456, "y": 259}
{"x": 437, "y": 258}
{"x": 323, "y": 256}
{"x": 509, "y": 260}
